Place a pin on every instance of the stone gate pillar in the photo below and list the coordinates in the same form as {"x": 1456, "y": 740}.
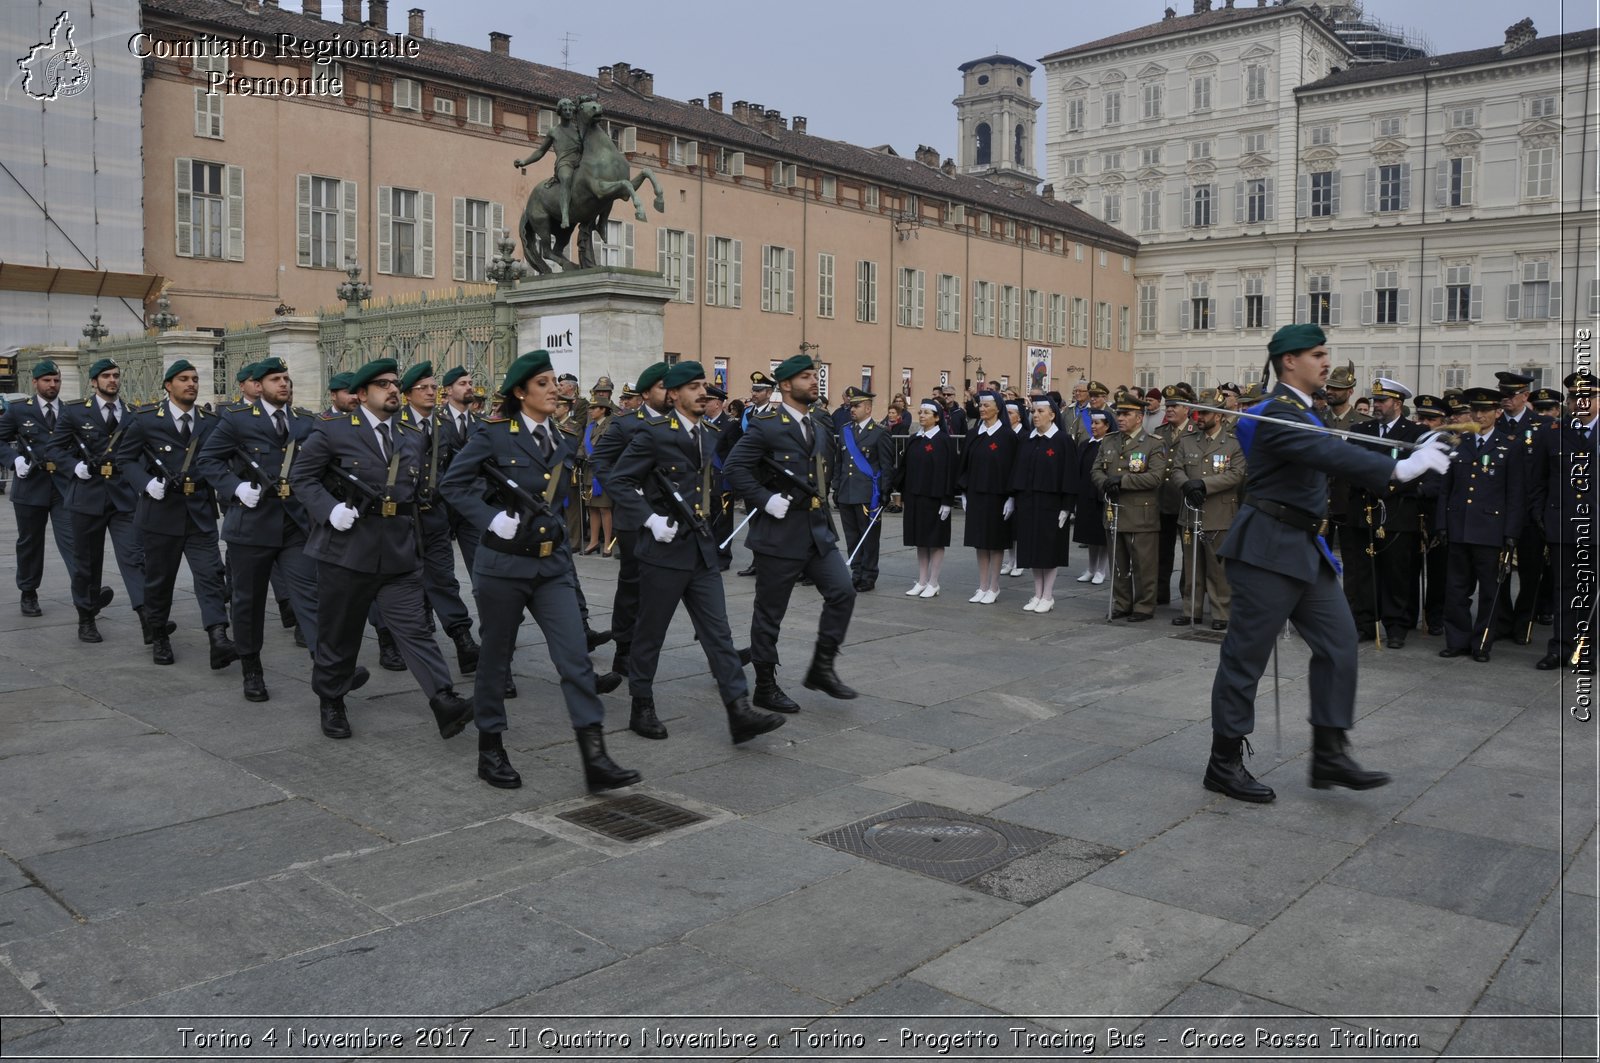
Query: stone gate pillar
{"x": 595, "y": 322}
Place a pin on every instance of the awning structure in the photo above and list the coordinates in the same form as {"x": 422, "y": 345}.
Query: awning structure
{"x": 15, "y": 277}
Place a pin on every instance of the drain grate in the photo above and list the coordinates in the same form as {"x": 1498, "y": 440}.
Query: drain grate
{"x": 1213, "y": 637}
{"x": 632, "y": 818}
{"x": 935, "y": 841}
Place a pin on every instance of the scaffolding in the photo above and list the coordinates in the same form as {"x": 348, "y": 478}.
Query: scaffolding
{"x": 1374, "y": 41}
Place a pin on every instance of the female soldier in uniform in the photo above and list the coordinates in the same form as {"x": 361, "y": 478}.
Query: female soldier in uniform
{"x": 927, "y": 482}
{"x": 986, "y": 493}
{"x": 1044, "y": 483}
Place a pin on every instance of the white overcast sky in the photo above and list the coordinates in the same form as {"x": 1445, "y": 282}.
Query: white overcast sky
{"x": 877, "y": 71}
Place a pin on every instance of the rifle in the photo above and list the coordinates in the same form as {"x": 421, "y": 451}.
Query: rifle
{"x": 523, "y": 503}
{"x": 370, "y": 499}
{"x": 792, "y": 482}
{"x": 166, "y": 474}
{"x": 530, "y": 541}
{"x": 34, "y": 461}
{"x": 686, "y": 512}
{"x": 88, "y": 459}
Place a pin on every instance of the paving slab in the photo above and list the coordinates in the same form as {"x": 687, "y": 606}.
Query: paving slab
{"x": 1552, "y": 967}
{"x": 1581, "y": 871}
{"x": 748, "y": 785}
{"x": 1106, "y": 725}
{"x": 25, "y": 1014}
{"x": 30, "y": 912}
{"x": 1045, "y": 872}
{"x": 1029, "y": 759}
{"x": 1119, "y": 803}
{"x": 1499, "y": 1028}
{"x": 949, "y": 726}
{"x": 862, "y": 752}
{"x": 1494, "y": 803}
{"x": 43, "y": 720}
{"x": 1212, "y": 1020}
{"x": 952, "y": 789}
{"x": 883, "y": 922}
{"x": 821, "y": 812}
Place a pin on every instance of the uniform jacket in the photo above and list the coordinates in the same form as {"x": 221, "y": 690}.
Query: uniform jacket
{"x": 375, "y": 543}
{"x": 1171, "y": 493}
{"x": 438, "y": 438}
{"x": 775, "y": 433}
{"x": 1291, "y": 467}
{"x": 1141, "y": 460}
{"x": 664, "y": 444}
{"x": 607, "y": 451}
{"x": 1561, "y": 487}
{"x": 83, "y": 421}
{"x": 930, "y": 468}
{"x": 1220, "y": 463}
{"x": 507, "y": 444}
{"x": 25, "y": 421}
{"x": 1402, "y": 503}
{"x": 1485, "y": 490}
{"x": 986, "y": 461}
{"x": 245, "y": 433}
{"x": 851, "y": 486}
{"x": 1338, "y": 490}
{"x": 176, "y": 513}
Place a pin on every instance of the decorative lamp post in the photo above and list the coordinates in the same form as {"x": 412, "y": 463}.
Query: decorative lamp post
{"x": 504, "y": 269}
{"x": 354, "y": 291}
{"x": 164, "y": 319}
{"x": 94, "y": 330}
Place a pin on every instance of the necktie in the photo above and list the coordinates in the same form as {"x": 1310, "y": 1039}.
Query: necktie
{"x": 111, "y": 417}
{"x": 461, "y": 428}
{"x": 543, "y": 436}
{"x": 805, "y": 430}
{"x": 183, "y": 430}
{"x": 694, "y": 444}
{"x": 283, "y": 427}
{"x": 50, "y": 416}
{"x": 383, "y": 440}
{"x": 1383, "y": 431}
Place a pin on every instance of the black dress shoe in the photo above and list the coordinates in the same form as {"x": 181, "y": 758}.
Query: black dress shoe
{"x": 389, "y": 658}
{"x": 1332, "y": 765}
{"x": 751, "y": 571}
{"x": 804, "y": 581}
{"x": 87, "y": 631}
{"x": 494, "y": 767}
{"x": 600, "y": 772}
{"x": 1121, "y": 615}
{"x": 30, "y": 604}
{"x": 286, "y": 612}
{"x": 1436, "y": 629}
{"x": 451, "y": 712}
{"x": 300, "y": 639}
{"x": 1396, "y": 640}
{"x": 1549, "y": 662}
{"x": 511, "y": 687}
{"x": 161, "y": 650}
{"x": 1448, "y": 652}
{"x": 643, "y": 720}
{"x": 1139, "y": 618}
{"x": 606, "y": 682}
{"x": 1545, "y": 619}
{"x": 223, "y": 651}
{"x": 334, "y": 722}
{"x": 596, "y": 638}
{"x": 1181, "y": 621}
{"x": 744, "y": 723}
{"x": 1226, "y": 773}
{"x": 1521, "y": 640}
{"x": 1481, "y": 658}
{"x": 1219, "y": 625}
{"x": 255, "y": 680}
{"x": 865, "y": 586}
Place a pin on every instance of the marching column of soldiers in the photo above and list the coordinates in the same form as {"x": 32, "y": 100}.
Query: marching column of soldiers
{"x": 351, "y": 517}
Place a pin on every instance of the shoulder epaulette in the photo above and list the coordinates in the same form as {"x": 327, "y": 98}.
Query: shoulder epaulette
{"x": 330, "y": 415}
{"x": 497, "y": 420}
{"x": 235, "y": 407}
{"x": 765, "y": 414}
{"x": 149, "y": 407}
{"x": 301, "y": 411}
{"x": 660, "y": 418}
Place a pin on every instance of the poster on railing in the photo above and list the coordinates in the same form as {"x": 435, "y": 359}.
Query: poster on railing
{"x": 1039, "y": 368}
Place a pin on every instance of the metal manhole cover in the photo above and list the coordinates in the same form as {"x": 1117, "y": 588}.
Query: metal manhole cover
{"x": 632, "y": 818}
{"x": 1213, "y": 637}
{"x": 940, "y": 842}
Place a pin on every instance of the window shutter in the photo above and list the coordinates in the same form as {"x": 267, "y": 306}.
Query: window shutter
{"x": 302, "y": 218}
{"x": 661, "y": 251}
{"x": 1238, "y": 312}
{"x": 1333, "y": 205}
{"x": 1302, "y": 309}
{"x": 1095, "y": 207}
{"x": 1271, "y": 208}
{"x": 347, "y": 222}
{"x": 919, "y": 306}
{"x": 767, "y": 267}
{"x": 1333, "y": 308}
{"x": 1475, "y": 307}
{"x": 1183, "y": 314}
{"x": 711, "y": 272}
{"x": 1441, "y": 185}
{"x": 1302, "y": 196}
{"x": 1188, "y": 206}
{"x": 1371, "y": 185}
{"x": 689, "y": 263}
{"x": 1211, "y": 313}
{"x": 738, "y": 272}
{"x": 424, "y": 234}
{"x": 1555, "y": 300}
{"x": 497, "y": 222}
{"x": 1369, "y": 302}
{"x": 385, "y": 230}
{"x": 1467, "y": 166}
{"x": 1266, "y": 311}
{"x": 458, "y": 268}
{"x": 1594, "y": 298}
{"x": 202, "y": 114}
{"x": 1402, "y": 306}
{"x": 1405, "y": 186}
{"x": 234, "y": 178}
{"x": 627, "y": 245}
{"x": 955, "y": 304}
{"x": 1436, "y": 297}
{"x": 1513, "y": 301}
{"x": 183, "y": 211}
{"x": 1239, "y": 214}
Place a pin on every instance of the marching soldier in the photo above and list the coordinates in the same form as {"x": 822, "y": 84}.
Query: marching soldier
{"x": 421, "y": 412}
{"x": 461, "y": 421}
{"x": 1174, "y": 424}
{"x": 1342, "y": 414}
{"x": 722, "y": 500}
{"x": 761, "y": 386}
{"x": 176, "y": 513}
{"x": 85, "y": 441}
{"x": 1431, "y": 412}
{"x": 862, "y": 474}
{"x": 1562, "y": 499}
{"x": 1129, "y": 471}
{"x": 39, "y": 492}
{"x": 523, "y": 565}
{"x": 666, "y": 480}
{"x": 366, "y": 545}
{"x": 1380, "y": 576}
{"x": 1208, "y": 466}
{"x": 777, "y": 466}
{"x": 246, "y": 458}
{"x": 1481, "y": 511}
{"x": 340, "y": 398}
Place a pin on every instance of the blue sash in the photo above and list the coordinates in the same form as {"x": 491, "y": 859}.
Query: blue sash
{"x": 1245, "y": 432}
{"x": 595, "y": 490}
{"x": 860, "y": 460}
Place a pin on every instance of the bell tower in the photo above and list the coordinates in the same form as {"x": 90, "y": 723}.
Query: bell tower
{"x": 995, "y": 118}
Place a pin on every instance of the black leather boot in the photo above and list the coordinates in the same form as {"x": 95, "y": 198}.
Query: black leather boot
{"x": 149, "y": 632}
{"x": 451, "y": 712}
{"x": 643, "y": 721}
{"x": 358, "y": 678}
{"x": 600, "y": 772}
{"x": 1226, "y": 773}
{"x": 30, "y": 604}
{"x": 494, "y": 767}
{"x": 744, "y": 723}
{"x": 466, "y": 649}
{"x": 768, "y": 695}
{"x": 389, "y": 658}
{"x": 223, "y": 651}
{"x": 821, "y": 676}
{"x": 87, "y": 631}
{"x": 595, "y": 638}
{"x": 255, "y": 680}
{"x": 606, "y": 682}
{"x": 300, "y": 639}
{"x": 335, "y": 724}
{"x": 1332, "y": 765}
{"x": 161, "y": 650}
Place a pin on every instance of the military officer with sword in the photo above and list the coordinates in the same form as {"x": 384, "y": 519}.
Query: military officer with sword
{"x": 860, "y": 475}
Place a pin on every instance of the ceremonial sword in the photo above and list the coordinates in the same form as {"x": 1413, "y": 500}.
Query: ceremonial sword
{"x": 1341, "y": 433}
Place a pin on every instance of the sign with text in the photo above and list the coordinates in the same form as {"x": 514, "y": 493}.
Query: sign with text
{"x": 559, "y": 334}
{"x": 1038, "y": 366}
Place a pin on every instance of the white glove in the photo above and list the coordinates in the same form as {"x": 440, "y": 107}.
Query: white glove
{"x": 156, "y": 489}
{"x": 505, "y": 525}
{"x": 661, "y": 527}
{"x": 248, "y": 494}
{"x": 343, "y": 517}
{"x": 22, "y": 467}
{"x": 81, "y": 471}
{"x": 1061, "y": 519}
{"x": 944, "y": 512}
{"x": 1433, "y": 456}
{"x": 963, "y": 499}
{"x": 777, "y": 506}
{"x": 1007, "y": 509}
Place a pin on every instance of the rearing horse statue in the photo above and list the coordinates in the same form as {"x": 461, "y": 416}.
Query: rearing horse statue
{"x": 603, "y": 177}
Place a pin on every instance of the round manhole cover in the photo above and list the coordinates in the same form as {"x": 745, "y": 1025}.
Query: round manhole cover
{"x": 935, "y": 841}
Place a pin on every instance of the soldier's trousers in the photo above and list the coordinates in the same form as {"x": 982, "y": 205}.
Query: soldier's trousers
{"x": 1436, "y": 567}
{"x": 554, "y": 608}
{"x": 161, "y": 556}
{"x": 30, "y": 540}
{"x": 1353, "y": 543}
{"x": 1262, "y": 602}
{"x": 252, "y": 568}
{"x": 722, "y": 528}
{"x": 1168, "y": 546}
{"x": 855, "y": 519}
{"x": 89, "y": 532}
{"x": 344, "y": 597}
{"x": 625, "y": 604}
{"x": 1395, "y": 565}
{"x": 1133, "y": 583}
{"x": 775, "y": 579}
{"x": 700, "y": 591}
{"x": 467, "y": 535}
{"x": 1570, "y": 576}
{"x": 439, "y": 571}
{"x": 1473, "y": 572}
{"x": 1532, "y": 578}
{"x": 1213, "y": 581}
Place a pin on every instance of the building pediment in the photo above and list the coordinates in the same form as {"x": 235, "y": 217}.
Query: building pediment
{"x": 1076, "y": 84}
{"x": 1320, "y": 158}
{"x": 1113, "y": 77}
{"x": 1201, "y": 171}
{"x": 1389, "y": 146}
{"x": 1462, "y": 138}
{"x": 1201, "y": 60}
{"x": 1256, "y": 51}
{"x": 1539, "y": 127}
{"x": 1150, "y": 173}
{"x": 1153, "y": 70}
{"x": 1254, "y": 160}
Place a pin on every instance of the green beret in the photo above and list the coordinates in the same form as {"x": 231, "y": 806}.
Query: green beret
{"x": 652, "y": 375}
{"x": 372, "y": 371}
{"x": 684, "y": 373}
{"x": 340, "y": 382}
{"x": 180, "y": 366}
{"x": 1292, "y": 338}
{"x": 45, "y": 368}
{"x": 245, "y": 372}
{"x": 529, "y": 365}
{"x": 416, "y": 375}
{"x": 452, "y": 375}
{"x": 794, "y": 366}
{"x": 101, "y": 366}
{"x": 266, "y": 367}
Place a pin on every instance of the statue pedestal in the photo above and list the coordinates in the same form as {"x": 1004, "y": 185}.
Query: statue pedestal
{"x": 594, "y": 322}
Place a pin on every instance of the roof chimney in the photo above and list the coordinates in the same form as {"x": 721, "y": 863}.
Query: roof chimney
{"x": 643, "y": 82}
{"x": 499, "y": 43}
{"x": 1168, "y": 15}
{"x": 378, "y": 14}
{"x": 605, "y": 77}
{"x": 414, "y": 23}
{"x": 741, "y": 111}
{"x": 715, "y": 100}
{"x": 352, "y": 10}
{"x": 619, "y": 74}
{"x": 1519, "y": 35}
{"x": 774, "y": 121}
{"x": 1202, "y": 6}
{"x": 798, "y": 123}
{"x": 311, "y": 8}
{"x": 697, "y": 101}
{"x": 927, "y": 156}
{"x": 948, "y": 168}
{"x": 1048, "y": 192}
